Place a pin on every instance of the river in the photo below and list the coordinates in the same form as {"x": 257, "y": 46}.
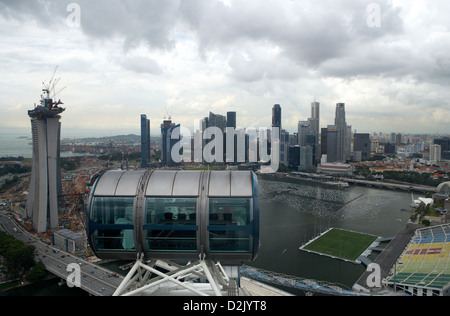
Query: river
{"x": 295, "y": 211}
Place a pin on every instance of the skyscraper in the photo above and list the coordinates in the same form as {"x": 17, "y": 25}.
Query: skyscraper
{"x": 231, "y": 119}
{"x": 435, "y": 153}
{"x": 166, "y": 132}
{"x": 343, "y": 135}
{"x": 45, "y": 184}
{"x": 362, "y": 145}
{"x": 315, "y": 127}
{"x": 145, "y": 141}
{"x": 276, "y": 116}
{"x": 283, "y": 135}
{"x": 332, "y": 142}
{"x": 217, "y": 120}
{"x": 304, "y": 128}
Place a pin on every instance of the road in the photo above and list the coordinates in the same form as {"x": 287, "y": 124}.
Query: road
{"x": 407, "y": 187}
{"x": 94, "y": 279}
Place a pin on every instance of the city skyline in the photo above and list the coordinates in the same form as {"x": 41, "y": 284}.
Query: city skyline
{"x": 185, "y": 60}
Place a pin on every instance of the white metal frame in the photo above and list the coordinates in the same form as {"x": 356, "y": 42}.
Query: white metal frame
{"x": 202, "y": 277}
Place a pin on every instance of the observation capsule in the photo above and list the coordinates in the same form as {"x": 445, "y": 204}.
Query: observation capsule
{"x": 175, "y": 215}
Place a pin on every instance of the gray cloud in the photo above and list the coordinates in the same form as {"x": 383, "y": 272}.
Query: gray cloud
{"x": 260, "y": 49}
{"x": 142, "y": 65}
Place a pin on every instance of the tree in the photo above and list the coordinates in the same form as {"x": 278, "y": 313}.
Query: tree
{"x": 19, "y": 257}
{"x": 37, "y": 272}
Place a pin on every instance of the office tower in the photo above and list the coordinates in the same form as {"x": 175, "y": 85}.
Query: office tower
{"x": 341, "y": 129}
{"x": 284, "y": 147}
{"x": 323, "y": 141}
{"x": 231, "y": 119}
{"x": 231, "y": 123}
{"x": 306, "y": 158}
{"x": 45, "y": 184}
{"x": 435, "y": 153}
{"x": 393, "y": 138}
{"x": 315, "y": 127}
{"x": 217, "y": 120}
{"x": 362, "y": 144}
{"x": 398, "y": 139}
{"x": 445, "y": 147}
{"x": 145, "y": 141}
{"x": 343, "y": 135}
{"x": 444, "y": 142}
{"x": 276, "y": 116}
{"x": 167, "y": 143}
{"x": 304, "y": 128}
{"x": 294, "y": 157}
{"x": 332, "y": 143}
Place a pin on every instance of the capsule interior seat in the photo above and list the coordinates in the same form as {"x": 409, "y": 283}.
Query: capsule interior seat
{"x": 175, "y": 215}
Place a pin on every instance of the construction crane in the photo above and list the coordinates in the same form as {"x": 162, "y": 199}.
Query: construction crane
{"x": 50, "y": 87}
{"x": 168, "y": 112}
{"x": 73, "y": 216}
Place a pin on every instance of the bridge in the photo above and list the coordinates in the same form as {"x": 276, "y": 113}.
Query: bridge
{"x": 388, "y": 185}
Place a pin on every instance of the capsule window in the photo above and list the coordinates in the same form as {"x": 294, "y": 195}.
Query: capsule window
{"x": 229, "y": 224}
{"x": 171, "y": 224}
{"x": 113, "y": 218}
{"x": 229, "y": 211}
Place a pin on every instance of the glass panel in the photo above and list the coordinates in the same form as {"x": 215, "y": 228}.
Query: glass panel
{"x": 229, "y": 224}
{"x": 114, "y": 239}
{"x": 113, "y": 217}
{"x": 171, "y": 224}
{"x": 172, "y": 240}
{"x": 229, "y": 211}
{"x": 229, "y": 241}
{"x": 164, "y": 211}
{"x": 113, "y": 211}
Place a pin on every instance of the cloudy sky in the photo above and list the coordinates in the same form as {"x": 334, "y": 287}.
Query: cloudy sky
{"x": 387, "y": 60}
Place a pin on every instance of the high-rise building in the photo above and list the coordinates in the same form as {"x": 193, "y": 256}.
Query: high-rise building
{"x": 283, "y": 136}
{"x": 167, "y": 143}
{"x": 306, "y": 158}
{"x": 231, "y": 119}
{"x": 304, "y": 128}
{"x": 332, "y": 143}
{"x": 435, "y": 153}
{"x": 284, "y": 147}
{"x": 362, "y": 144}
{"x": 276, "y": 116}
{"x": 45, "y": 184}
{"x": 323, "y": 141}
{"x": 343, "y": 135}
{"x": 445, "y": 147}
{"x": 315, "y": 128}
{"x": 398, "y": 139}
{"x": 145, "y": 141}
{"x": 444, "y": 142}
{"x": 217, "y": 120}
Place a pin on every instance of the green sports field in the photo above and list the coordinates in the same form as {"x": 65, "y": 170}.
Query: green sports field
{"x": 342, "y": 244}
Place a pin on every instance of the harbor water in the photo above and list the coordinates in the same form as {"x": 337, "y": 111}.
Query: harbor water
{"x": 294, "y": 211}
